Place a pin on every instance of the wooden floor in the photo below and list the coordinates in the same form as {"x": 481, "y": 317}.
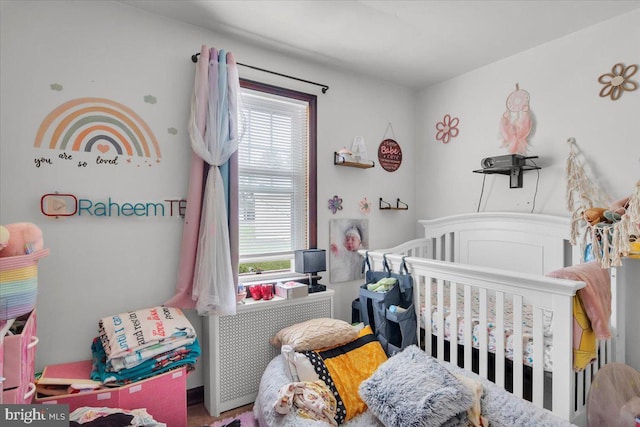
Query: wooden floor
{"x": 199, "y": 417}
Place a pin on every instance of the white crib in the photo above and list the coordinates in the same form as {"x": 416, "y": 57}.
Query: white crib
{"x": 503, "y": 257}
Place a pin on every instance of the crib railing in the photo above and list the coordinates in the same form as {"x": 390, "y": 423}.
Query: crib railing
{"x": 540, "y": 292}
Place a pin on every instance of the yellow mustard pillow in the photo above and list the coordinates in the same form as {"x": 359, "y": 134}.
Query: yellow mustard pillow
{"x": 315, "y": 334}
{"x": 343, "y": 368}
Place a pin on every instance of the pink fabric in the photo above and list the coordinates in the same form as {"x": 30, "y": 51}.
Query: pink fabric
{"x": 595, "y": 297}
{"x": 184, "y": 286}
{"x": 515, "y": 132}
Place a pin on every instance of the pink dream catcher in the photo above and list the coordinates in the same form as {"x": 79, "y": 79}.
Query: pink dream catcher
{"x": 515, "y": 124}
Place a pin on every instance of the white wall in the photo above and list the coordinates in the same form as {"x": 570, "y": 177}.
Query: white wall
{"x": 562, "y": 79}
{"x": 104, "y": 266}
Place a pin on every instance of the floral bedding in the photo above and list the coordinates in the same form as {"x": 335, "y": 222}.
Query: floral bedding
{"x": 527, "y": 324}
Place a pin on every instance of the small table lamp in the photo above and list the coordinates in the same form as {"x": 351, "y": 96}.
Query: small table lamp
{"x": 311, "y": 261}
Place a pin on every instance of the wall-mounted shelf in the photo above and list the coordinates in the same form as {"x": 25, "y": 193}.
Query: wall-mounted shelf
{"x": 514, "y": 172}
{"x": 339, "y": 160}
{"x": 400, "y": 206}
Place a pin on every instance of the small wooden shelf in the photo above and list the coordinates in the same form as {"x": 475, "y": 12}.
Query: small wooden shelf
{"x": 400, "y": 205}
{"x": 339, "y": 161}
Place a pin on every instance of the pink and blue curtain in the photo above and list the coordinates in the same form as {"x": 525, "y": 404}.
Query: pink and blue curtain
{"x": 206, "y": 277}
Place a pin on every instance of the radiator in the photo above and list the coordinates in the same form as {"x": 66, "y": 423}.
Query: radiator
{"x": 236, "y": 349}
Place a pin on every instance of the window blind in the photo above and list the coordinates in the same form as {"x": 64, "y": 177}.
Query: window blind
{"x": 272, "y": 175}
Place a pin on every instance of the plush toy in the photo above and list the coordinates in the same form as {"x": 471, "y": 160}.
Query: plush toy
{"x": 609, "y": 216}
{"x": 22, "y": 238}
{"x": 620, "y": 206}
{"x": 594, "y": 215}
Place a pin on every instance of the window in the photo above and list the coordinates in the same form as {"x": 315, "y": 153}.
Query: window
{"x": 276, "y": 178}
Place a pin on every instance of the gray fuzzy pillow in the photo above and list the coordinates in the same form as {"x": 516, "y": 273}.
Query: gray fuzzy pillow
{"x": 413, "y": 389}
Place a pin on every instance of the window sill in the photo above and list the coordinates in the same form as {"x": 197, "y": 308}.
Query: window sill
{"x": 274, "y": 278}
{"x": 252, "y": 305}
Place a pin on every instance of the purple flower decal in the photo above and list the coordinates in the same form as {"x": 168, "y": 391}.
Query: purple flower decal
{"x": 335, "y": 204}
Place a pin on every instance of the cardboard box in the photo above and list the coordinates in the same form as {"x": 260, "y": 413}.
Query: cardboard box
{"x": 291, "y": 290}
{"x": 164, "y": 396}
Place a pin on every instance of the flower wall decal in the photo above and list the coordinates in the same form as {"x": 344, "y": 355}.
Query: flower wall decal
{"x": 447, "y": 128}
{"x": 365, "y": 206}
{"x": 617, "y": 81}
{"x": 335, "y": 204}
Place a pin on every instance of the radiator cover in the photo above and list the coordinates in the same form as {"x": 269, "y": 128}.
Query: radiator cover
{"x": 238, "y": 349}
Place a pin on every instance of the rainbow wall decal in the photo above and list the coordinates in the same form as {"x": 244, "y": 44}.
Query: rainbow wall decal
{"x": 88, "y": 124}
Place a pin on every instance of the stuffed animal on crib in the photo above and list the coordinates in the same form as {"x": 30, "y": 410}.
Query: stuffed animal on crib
{"x": 20, "y": 238}
{"x": 613, "y": 214}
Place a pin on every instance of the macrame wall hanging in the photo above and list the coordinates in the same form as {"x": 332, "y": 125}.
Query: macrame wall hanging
{"x": 607, "y": 226}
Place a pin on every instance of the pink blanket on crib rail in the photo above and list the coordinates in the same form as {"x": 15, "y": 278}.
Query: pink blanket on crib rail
{"x": 595, "y": 297}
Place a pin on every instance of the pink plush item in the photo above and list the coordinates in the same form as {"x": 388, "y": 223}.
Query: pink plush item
{"x": 4, "y": 237}
{"x": 595, "y": 297}
{"x": 24, "y": 238}
{"x": 620, "y": 206}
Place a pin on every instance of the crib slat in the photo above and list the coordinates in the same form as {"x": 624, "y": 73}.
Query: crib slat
{"x": 587, "y": 383}
{"x": 609, "y": 353}
{"x": 580, "y": 379}
{"x": 517, "y": 346}
{"x": 453, "y": 323}
{"x": 564, "y": 380}
{"x": 418, "y": 284}
{"x": 538, "y": 358}
{"x": 428, "y": 283}
{"x": 467, "y": 328}
{"x": 617, "y": 321}
{"x": 482, "y": 334}
{"x": 440, "y": 318}
{"x": 448, "y": 247}
{"x": 439, "y": 252}
{"x": 499, "y": 379}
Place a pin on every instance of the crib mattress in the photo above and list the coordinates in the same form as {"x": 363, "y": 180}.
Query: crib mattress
{"x": 527, "y": 324}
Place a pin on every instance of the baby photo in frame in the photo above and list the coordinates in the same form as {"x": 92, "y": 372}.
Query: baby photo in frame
{"x": 347, "y": 236}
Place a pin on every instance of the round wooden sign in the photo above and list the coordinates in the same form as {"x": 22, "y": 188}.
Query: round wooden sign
{"x": 389, "y": 155}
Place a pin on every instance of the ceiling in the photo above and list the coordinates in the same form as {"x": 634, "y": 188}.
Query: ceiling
{"x": 413, "y": 43}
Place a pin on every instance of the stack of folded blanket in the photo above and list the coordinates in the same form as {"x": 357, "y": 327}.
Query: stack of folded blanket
{"x": 139, "y": 344}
